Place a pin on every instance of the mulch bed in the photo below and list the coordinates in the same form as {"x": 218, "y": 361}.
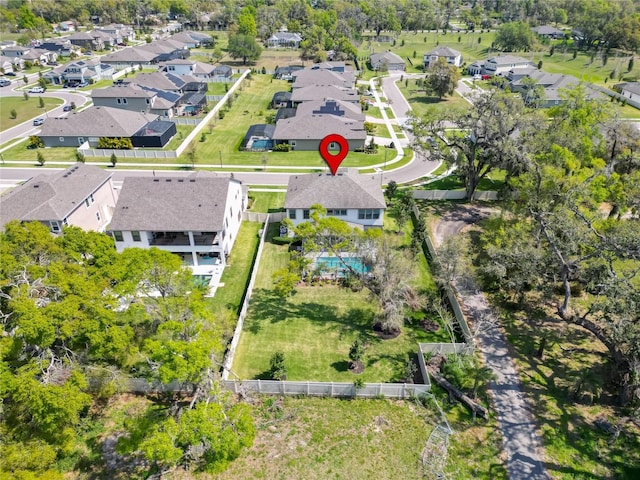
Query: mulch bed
{"x": 356, "y": 367}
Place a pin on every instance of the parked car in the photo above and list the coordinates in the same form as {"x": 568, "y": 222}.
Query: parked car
{"x": 71, "y": 84}
{"x": 83, "y": 84}
{"x": 36, "y": 90}
{"x": 38, "y": 121}
{"x": 68, "y": 108}
{"x": 10, "y": 74}
{"x": 4, "y": 82}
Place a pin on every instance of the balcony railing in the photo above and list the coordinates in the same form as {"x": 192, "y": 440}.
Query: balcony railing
{"x": 181, "y": 239}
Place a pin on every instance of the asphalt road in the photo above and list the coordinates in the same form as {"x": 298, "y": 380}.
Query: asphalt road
{"x": 26, "y": 128}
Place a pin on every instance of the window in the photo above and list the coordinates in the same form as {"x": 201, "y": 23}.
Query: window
{"x": 98, "y": 216}
{"x": 65, "y": 222}
{"x": 292, "y": 213}
{"x": 368, "y": 214}
{"x": 61, "y": 139}
{"x": 118, "y": 236}
{"x": 148, "y": 101}
{"x": 333, "y": 146}
{"x": 121, "y": 100}
{"x": 340, "y": 212}
{"x": 55, "y": 226}
{"x": 118, "y": 100}
{"x": 89, "y": 200}
{"x": 135, "y": 235}
{"x": 292, "y": 143}
{"x": 305, "y": 214}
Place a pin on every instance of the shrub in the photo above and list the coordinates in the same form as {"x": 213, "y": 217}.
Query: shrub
{"x": 40, "y": 158}
{"x": 221, "y": 113}
{"x": 13, "y": 114}
{"x": 115, "y": 143}
{"x": 264, "y": 70}
{"x": 80, "y": 156}
{"x": 369, "y": 127}
{"x": 283, "y": 240}
{"x": 203, "y": 137}
{"x": 35, "y": 142}
{"x": 278, "y": 370}
{"x": 113, "y": 159}
{"x": 282, "y": 147}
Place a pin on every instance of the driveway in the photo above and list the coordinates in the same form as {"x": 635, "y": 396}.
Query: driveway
{"x": 522, "y": 443}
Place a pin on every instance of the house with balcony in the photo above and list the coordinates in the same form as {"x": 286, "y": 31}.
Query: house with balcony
{"x": 80, "y": 71}
{"x": 82, "y": 196}
{"x": 352, "y": 197}
{"x": 196, "y": 216}
{"x": 284, "y": 40}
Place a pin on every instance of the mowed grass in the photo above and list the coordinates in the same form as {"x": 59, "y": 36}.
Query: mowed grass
{"x": 315, "y": 329}
{"x": 329, "y": 438}
{"x": 266, "y": 202}
{"x": 26, "y": 110}
{"x": 421, "y": 103}
{"x": 228, "y": 298}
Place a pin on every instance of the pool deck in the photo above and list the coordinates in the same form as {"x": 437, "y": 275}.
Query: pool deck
{"x": 216, "y": 274}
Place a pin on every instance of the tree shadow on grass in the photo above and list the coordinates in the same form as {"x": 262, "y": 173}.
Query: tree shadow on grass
{"x": 341, "y": 366}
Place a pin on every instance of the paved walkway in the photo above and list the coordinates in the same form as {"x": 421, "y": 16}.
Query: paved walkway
{"x": 522, "y": 443}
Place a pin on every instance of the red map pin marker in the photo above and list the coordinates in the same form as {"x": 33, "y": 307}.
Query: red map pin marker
{"x": 334, "y": 161}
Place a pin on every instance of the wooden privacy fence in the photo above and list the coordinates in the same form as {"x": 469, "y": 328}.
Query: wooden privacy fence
{"x": 327, "y": 389}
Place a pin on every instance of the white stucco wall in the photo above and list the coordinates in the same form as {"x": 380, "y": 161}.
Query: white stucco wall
{"x": 351, "y": 217}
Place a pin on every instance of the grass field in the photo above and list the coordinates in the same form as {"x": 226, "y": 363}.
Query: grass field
{"x": 325, "y": 438}
{"x": 266, "y": 202}
{"x": 227, "y": 300}
{"x": 316, "y": 326}
{"x": 25, "y": 109}
{"x": 421, "y": 103}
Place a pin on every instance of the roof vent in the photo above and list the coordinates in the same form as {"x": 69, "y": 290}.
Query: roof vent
{"x": 168, "y": 180}
{"x": 156, "y": 179}
{"x": 180, "y": 180}
{"x": 193, "y": 180}
{"x": 36, "y": 186}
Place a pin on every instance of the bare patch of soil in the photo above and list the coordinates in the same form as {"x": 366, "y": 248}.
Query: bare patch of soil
{"x": 384, "y": 335}
{"x": 429, "y": 325}
{"x": 356, "y": 367}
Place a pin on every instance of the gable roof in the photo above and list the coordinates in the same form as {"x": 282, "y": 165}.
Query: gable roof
{"x": 631, "y": 87}
{"x": 316, "y": 127}
{"x": 331, "y": 107}
{"x": 129, "y": 54}
{"x": 157, "y": 80}
{"x": 96, "y": 122}
{"x": 547, "y": 30}
{"x": 285, "y": 37}
{"x": 315, "y": 92}
{"x": 52, "y": 196}
{"x": 125, "y": 90}
{"x": 196, "y": 202}
{"x": 390, "y": 57}
{"x": 347, "y": 189}
{"x": 443, "y": 52}
{"x": 506, "y": 60}
{"x": 305, "y": 78}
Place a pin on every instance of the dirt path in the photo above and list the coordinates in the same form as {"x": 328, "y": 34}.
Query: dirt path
{"x": 522, "y": 443}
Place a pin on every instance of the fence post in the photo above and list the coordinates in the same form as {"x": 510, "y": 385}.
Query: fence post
{"x": 259, "y": 386}
{"x": 404, "y": 388}
{"x": 283, "y": 383}
{"x": 332, "y": 389}
{"x": 307, "y": 387}
{"x": 379, "y": 388}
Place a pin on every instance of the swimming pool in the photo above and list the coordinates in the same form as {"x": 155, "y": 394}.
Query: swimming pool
{"x": 261, "y": 144}
{"x": 334, "y": 264}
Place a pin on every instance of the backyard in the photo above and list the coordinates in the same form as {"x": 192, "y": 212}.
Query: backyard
{"x": 317, "y": 325}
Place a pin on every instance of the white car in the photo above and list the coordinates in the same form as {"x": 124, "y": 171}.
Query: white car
{"x": 36, "y": 90}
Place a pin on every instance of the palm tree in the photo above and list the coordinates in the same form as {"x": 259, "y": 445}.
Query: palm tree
{"x": 481, "y": 375}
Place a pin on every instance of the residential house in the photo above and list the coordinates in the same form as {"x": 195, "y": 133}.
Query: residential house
{"x": 180, "y": 66}
{"x": 60, "y": 46}
{"x": 192, "y": 39}
{"x": 630, "y": 90}
{"x": 453, "y": 57}
{"x": 502, "y": 64}
{"x": 314, "y": 92}
{"x": 15, "y": 51}
{"x": 339, "y": 67}
{"x": 166, "y": 50}
{"x": 196, "y": 217}
{"x": 131, "y": 97}
{"x": 258, "y": 137}
{"x": 328, "y": 106}
{"x": 286, "y": 73}
{"x": 91, "y": 124}
{"x": 121, "y": 33}
{"x": 82, "y": 196}
{"x": 386, "y": 61}
{"x": 87, "y": 40}
{"x": 281, "y": 100}
{"x": 39, "y": 56}
{"x": 80, "y": 71}
{"x": 307, "y": 77}
{"x": 11, "y": 64}
{"x": 352, "y": 197}
{"x": 284, "y": 40}
{"x": 547, "y": 31}
{"x": 223, "y": 73}
{"x": 131, "y": 57}
{"x": 305, "y": 132}
{"x": 64, "y": 27}
{"x": 554, "y": 85}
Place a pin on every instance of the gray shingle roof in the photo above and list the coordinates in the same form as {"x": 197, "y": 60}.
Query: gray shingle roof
{"x": 119, "y": 91}
{"x": 390, "y": 57}
{"x": 506, "y": 60}
{"x": 443, "y": 52}
{"x": 96, "y": 122}
{"x": 347, "y": 189}
{"x": 331, "y": 107}
{"x": 316, "y": 127}
{"x": 172, "y": 204}
{"x": 335, "y": 92}
{"x": 631, "y": 87}
{"x": 305, "y": 78}
{"x": 130, "y": 54}
{"x": 52, "y": 196}
{"x": 156, "y": 80}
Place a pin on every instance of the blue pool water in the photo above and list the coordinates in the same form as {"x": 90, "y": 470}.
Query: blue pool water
{"x": 332, "y": 263}
{"x": 262, "y": 144}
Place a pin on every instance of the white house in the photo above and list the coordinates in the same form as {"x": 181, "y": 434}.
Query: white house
{"x": 196, "y": 216}
{"x": 284, "y": 39}
{"x": 502, "y": 64}
{"x": 349, "y": 196}
{"x": 453, "y": 57}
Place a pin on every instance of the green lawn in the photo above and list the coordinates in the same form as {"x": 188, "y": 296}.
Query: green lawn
{"x": 228, "y": 298}
{"x": 421, "y": 103}
{"x": 218, "y": 88}
{"x": 25, "y": 109}
{"x": 494, "y": 181}
{"x": 266, "y": 202}
{"x": 182, "y": 132}
{"x": 328, "y": 438}
{"x": 315, "y": 328}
